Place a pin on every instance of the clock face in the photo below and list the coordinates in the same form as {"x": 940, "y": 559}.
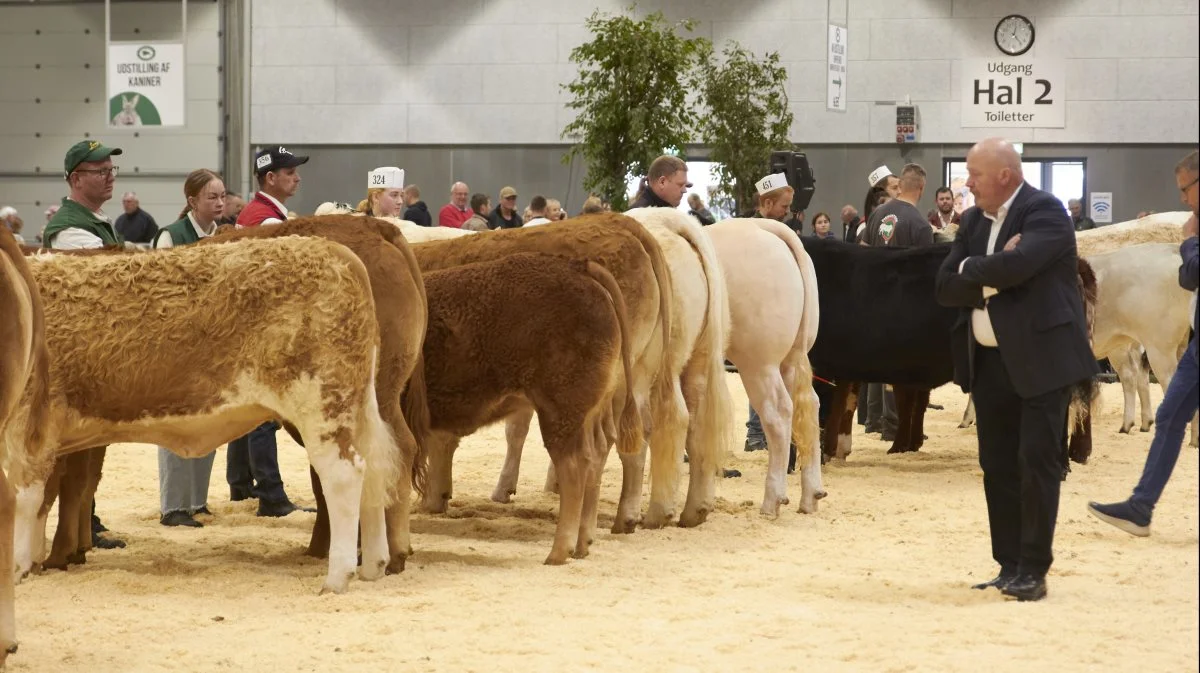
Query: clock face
{"x": 1014, "y": 35}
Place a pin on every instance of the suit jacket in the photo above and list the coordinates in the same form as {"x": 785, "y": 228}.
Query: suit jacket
{"x": 1038, "y": 314}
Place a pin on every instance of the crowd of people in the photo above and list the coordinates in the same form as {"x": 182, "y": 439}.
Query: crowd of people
{"x": 1015, "y": 236}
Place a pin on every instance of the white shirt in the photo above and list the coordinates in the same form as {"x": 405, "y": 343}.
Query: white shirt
{"x": 981, "y": 322}
{"x": 536, "y": 221}
{"x": 75, "y": 238}
{"x": 165, "y": 240}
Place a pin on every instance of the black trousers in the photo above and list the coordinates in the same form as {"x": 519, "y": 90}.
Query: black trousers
{"x": 1020, "y": 451}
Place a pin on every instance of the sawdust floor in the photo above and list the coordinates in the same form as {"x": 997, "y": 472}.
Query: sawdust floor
{"x": 876, "y": 581}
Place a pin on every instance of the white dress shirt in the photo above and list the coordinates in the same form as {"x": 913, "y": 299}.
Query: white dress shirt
{"x": 981, "y": 322}
{"x": 165, "y": 240}
{"x": 74, "y": 238}
{"x": 536, "y": 221}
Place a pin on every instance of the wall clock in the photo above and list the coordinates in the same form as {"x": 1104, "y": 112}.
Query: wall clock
{"x": 1014, "y": 34}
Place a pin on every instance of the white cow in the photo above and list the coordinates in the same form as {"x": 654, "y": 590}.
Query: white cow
{"x": 1140, "y": 302}
{"x": 699, "y": 334}
{"x": 772, "y": 290}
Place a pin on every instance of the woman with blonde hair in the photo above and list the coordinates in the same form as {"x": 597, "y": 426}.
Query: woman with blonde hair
{"x": 183, "y": 482}
{"x": 592, "y": 204}
{"x": 385, "y": 193}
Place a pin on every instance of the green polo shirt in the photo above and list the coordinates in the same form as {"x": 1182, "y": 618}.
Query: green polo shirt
{"x": 72, "y": 214}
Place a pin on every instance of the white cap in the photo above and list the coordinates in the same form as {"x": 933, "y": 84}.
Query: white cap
{"x": 7, "y": 210}
{"x": 771, "y": 183}
{"x": 387, "y": 177}
{"x": 877, "y": 175}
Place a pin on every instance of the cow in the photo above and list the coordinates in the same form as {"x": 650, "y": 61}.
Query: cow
{"x": 1140, "y": 302}
{"x": 634, "y": 258}
{"x": 398, "y": 291}
{"x": 699, "y": 414}
{"x": 24, "y": 387}
{"x": 541, "y": 332}
{"x": 883, "y": 323}
{"x": 775, "y": 312}
{"x": 298, "y": 340}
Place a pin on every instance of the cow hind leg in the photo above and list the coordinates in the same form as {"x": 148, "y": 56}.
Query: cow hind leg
{"x": 968, "y": 417}
{"x": 839, "y": 404}
{"x": 629, "y": 506}
{"x": 441, "y": 474}
{"x": 598, "y": 447}
{"x": 318, "y": 543}
{"x": 1127, "y": 364}
{"x": 770, "y": 398}
{"x": 68, "y": 543}
{"x": 667, "y": 445}
{"x": 342, "y": 481}
{"x": 805, "y": 430}
{"x": 8, "y": 619}
{"x": 571, "y": 462}
{"x": 516, "y": 429}
{"x": 845, "y": 434}
{"x": 25, "y": 528}
{"x": 904, "y": 403}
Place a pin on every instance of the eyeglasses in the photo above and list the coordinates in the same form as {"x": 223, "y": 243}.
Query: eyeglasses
{"x": 102, "y": 172}
{"x": 1189, "y": 185}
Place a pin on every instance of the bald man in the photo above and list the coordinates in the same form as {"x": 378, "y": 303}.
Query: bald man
{"x": 1019, "y": 347}
{"x": 457, "y": 212}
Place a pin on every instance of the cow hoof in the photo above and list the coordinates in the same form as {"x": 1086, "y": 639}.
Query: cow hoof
{"x": 503, "y": 496}
{"x": 808, "y": 506}
{"x": 370, "y": 572}
{"x": 556, "y": 559}
{"x": 821, "y": 494}
{"x": 396, "y": 565}
{"x": 657, "y": 517}
{"x": 54, "y": 564}
{"x": 625, "y": 526}
{"x": 317, "y": 551}
{"x": 339, "y": 586}
{"x": 78, "y": 558}
{"x": 1147, "y": 427}
{"x": 436, "y": 506}
{"x": 1125, "y": 429}
{"x": 581, "y": 551}
{"x": 901, "y": 449}
{"x": 689, "y": 520}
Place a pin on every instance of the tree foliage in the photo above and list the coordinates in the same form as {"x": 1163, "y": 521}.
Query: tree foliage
{"x": 747, "y": 117}
{"x": 631, "y": 96}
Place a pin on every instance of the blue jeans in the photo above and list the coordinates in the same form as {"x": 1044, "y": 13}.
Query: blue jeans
{"x": 252, "y": 464}
{"x": 1178, "y": 407}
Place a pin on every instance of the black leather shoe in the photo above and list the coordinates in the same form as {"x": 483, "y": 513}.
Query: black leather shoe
{"x": 179, "y": 518}
{"x": 106, "y": 542}
{"x": 281, "y": 508}
{"x": 203, "y": 510}
{"x": 999, "y": 581}
{"x": 1026, "y": 588}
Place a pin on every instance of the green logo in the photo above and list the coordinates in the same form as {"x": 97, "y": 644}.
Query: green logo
{"x": 145, "y": 53}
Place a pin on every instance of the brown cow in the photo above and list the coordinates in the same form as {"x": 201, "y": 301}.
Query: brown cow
{"x": 399, "y": 293}
{"x": 533, "y": 331}
{"x": 634, "y": 258}
{"x": 296, "y": 323}
{"x": 23, "y": 403}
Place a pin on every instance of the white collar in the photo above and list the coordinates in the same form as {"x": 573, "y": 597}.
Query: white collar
{"x": 196, "y": 225}
{"x": 1002, "y": 211}
{"x": 276, "y": 201}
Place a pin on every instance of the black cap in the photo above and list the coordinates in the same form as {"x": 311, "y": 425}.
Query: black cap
{"x": 274, "y": 158}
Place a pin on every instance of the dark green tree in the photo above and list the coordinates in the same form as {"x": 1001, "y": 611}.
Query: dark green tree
{"x": 631, "y": 96}
{"x": 746, "y": 117}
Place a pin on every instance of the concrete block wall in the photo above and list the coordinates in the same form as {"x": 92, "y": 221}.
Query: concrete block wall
{"x": 488, "y": 71}
{"x": 53, "y": 95}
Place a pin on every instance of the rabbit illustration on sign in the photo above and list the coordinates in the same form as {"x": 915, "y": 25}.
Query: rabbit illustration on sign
{"x": 128, "y": 115}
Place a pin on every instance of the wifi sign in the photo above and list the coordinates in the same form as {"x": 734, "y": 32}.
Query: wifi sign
{"x": 1101, "y": 206}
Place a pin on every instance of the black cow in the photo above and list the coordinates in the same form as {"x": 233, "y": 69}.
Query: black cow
{"x": 880, "y": 322}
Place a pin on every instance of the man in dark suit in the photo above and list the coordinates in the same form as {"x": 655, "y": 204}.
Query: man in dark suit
{"x": 1019, "y": 346}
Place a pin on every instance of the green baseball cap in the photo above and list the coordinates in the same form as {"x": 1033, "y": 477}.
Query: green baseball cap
{"x": 87, "y": 150}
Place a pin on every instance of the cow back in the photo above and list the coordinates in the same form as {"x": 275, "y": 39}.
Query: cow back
{"x": 880, "y": 320}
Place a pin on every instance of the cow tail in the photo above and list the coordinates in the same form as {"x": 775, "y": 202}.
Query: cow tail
{"x": 415, "y": 399}
{"x": 664, "y": 389}
{"x": 805, "y": 424}
{"x": 629, "y": 428}
{"x": 1085, "y": 395}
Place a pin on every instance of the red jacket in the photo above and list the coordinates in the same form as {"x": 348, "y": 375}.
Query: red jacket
{"x": 258, "y": 209}
{"x": 451, "y": 216}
